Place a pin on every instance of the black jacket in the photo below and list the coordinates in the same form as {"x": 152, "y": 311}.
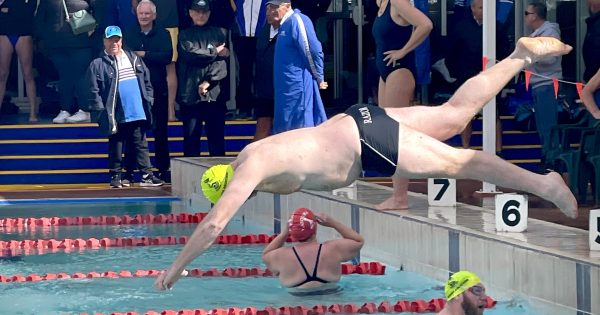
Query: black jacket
{"x": 52, "y": 28}
{"x": 159, "y": 53}
{"x": 198, "y": 61}
{"x": 265, "y": 56}
{"x": 591, "y": 46}
{"x": 464, "y": 58}
{"x": 102, "y": 78}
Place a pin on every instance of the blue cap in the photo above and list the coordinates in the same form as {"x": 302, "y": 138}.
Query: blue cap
{"x": 112, "y": 30}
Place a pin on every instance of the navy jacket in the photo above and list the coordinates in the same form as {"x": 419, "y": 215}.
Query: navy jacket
{"x": 102, "y": 77}
{"x": 159, "y": 53}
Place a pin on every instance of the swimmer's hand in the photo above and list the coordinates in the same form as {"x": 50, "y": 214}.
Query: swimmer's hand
{"x": 324, "y": 219}
{"x": 166, "y": 282}
{"x": 323, "y": 85}
{"x": 391, "y": 56}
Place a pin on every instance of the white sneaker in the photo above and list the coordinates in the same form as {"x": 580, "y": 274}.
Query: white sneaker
{"x": 61, "y": 118}
{"x": 79, "y": 117}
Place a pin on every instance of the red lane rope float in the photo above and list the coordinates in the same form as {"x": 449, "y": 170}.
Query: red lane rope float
{"x": 365, "y": 268}
{"x": 417, "y": 306}
{"x": 104, "y": 220}
{"x": 30, "y": 247}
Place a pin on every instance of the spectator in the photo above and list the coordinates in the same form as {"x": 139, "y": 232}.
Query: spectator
{"x": 16, "y": 30}
{"x": 465, "y": 59}
{"x": 201, "y": 66}
{"x": 71, "y": 54}
{"x": 591, "y": 43}
{"x": 167, "y": 17}
{"x": 121, "y": 100}
{"x": 545, "y": 103}
{"x": 263, "y": 81}
{"x": 292, "y": 264}
{"x": 153, "y": 45}
{"x": 250, "y": 18}
{"x": 591, "y": 95}
{"x": 298, "y": 70}
{"x": 465, "y": 295}
{"x": 398, "y": 29}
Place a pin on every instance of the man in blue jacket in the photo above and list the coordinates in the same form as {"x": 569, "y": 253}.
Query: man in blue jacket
{"x": 121, "y": 98}
{"x": 298, "y": 69}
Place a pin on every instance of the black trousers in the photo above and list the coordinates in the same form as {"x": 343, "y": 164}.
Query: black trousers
{"x": 245, "y": 51}
{"x": 71, "y": 65}
{"x": 213, "y": 116}
{"x": 132, "y": 137}
{"x": 160, "y": 111}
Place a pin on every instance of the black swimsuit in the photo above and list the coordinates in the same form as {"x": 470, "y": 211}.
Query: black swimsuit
{"x": 378, "y": 138}
{"x": 390, "y": 36}
{"x": 309, "y": 277}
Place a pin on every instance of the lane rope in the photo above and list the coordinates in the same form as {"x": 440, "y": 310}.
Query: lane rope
{"x": 416, "y": 306}
{"x": 104, "y": 220}
{"x": 364, "y": 268}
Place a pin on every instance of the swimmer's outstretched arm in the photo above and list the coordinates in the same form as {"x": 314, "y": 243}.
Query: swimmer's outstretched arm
{"x": 239, "y": 189}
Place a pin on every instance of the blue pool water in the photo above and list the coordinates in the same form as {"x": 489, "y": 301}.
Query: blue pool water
{"x": 137, "y": 294}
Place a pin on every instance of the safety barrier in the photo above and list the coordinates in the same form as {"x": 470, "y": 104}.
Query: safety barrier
{"x": 365, "y": 268}
{"x": 417, "y": 306}
{"x": 104, "y": 220}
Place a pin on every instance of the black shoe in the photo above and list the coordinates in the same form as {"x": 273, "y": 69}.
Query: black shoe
{"x": 127, "y": 180}
{"x": 165, "y": 176}
{"x": 149, "y": 180}
{"x": 115, "y": 181}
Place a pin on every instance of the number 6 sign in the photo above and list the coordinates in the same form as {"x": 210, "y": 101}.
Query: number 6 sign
{"x": 511, "y": 213}
{"x": 595, "y": 229}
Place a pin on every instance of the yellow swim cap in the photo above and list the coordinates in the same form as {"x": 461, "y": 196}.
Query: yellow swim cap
{"x": 215, "y": 180}
{"x": 459, "y": 283}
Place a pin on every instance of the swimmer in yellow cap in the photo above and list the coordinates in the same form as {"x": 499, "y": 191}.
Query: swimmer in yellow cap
{"x": 465, "y": 295}
{"x": 400, "y": 142}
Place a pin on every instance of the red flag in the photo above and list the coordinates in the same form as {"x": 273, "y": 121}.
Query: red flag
{"x": 484, "y": 62}
{"x": 527, "y": 77}
{"x": 579, "y": 86}
{"x": 555, "y": 81}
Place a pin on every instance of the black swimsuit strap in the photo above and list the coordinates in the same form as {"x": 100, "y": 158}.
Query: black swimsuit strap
{"x": 314, "y": 275}
{"x": 301, "y": 263}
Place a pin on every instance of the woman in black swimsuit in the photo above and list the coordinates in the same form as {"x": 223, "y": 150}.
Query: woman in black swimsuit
{"x": 398, "y": 29}
{"x": 16, "y": 29}
{"x": 310, "y": 267}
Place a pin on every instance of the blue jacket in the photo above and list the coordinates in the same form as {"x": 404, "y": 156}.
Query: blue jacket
{"x": 298, "y": 70}
{"x": 102, "y": 77}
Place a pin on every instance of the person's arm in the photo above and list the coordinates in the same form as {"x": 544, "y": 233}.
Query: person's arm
{"x": 309, "y": 46}
{"x": 162, "y": 55}
{"x": 269, "y": 255}
{"x": 348, "y": 247}
{"x": 422, "y": 27}
{"x": 191, "y": 51}
{"x": 245, "y": 179}
{"x": 587, "y": 96}
{"x": 147, "y": 84}
{"x": 94, "y": 103}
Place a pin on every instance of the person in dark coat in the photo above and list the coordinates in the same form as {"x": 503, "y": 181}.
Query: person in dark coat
{"x": 200, "y": 68}
{"x": 153, "y": 45}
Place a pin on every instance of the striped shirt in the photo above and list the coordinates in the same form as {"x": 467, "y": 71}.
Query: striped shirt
{"x": 129, "y": 91}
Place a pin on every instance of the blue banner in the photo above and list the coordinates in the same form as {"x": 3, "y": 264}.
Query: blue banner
{"x": 423, "y": 51}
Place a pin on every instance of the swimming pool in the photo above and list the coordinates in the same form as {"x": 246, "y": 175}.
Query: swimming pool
{"x": 137, "y": 294}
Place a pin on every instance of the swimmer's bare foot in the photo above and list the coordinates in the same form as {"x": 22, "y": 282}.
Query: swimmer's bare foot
{"x": 33, "y": 119}
{"x": 393, "y": 203}
{"x": 532, "y": 49}
{"x": 560, "y": 194}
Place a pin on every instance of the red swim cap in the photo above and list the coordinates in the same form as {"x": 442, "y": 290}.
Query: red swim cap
{"x": 302, "y": 224}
